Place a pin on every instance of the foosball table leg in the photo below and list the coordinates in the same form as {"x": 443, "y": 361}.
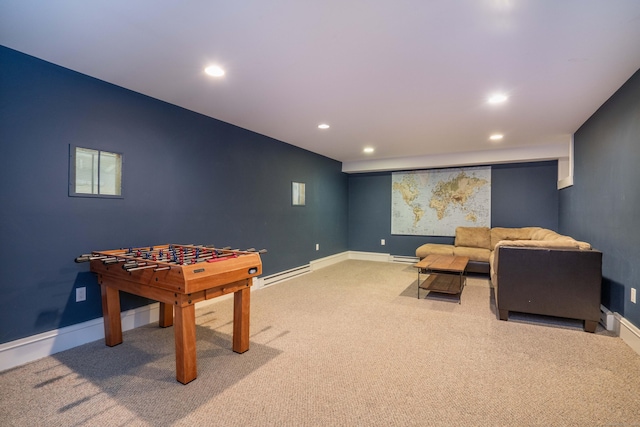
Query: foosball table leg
{"x": 241, "y": 315}
{"x": 166, "y": 315}
{"x": 111, "y": 314}
{"x": 184, "y": 331}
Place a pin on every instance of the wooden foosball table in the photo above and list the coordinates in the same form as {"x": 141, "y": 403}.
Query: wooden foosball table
{"x": 177, "y": 276}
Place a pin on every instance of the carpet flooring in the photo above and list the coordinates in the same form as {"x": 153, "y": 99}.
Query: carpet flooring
{"x": 346, "y": 345}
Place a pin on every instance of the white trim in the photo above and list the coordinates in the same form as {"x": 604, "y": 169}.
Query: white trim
{"x": 261, "y": 282}
{"x": 565, "y": 169}
{"x": 25, "y": 350}
{"x": 565, "y": 182}
{"x": 327, "y": 261}
{"x": 369, "y": 256}
{"x": 535, "y": 153}
{"x": 629, "y": 333}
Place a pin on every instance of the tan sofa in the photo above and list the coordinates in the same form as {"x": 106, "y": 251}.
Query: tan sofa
{"x": 537, "y": 270}
{"x": 479, "y": 243}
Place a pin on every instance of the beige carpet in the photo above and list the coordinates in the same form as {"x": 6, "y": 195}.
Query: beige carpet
{"x": 347, "y": 345}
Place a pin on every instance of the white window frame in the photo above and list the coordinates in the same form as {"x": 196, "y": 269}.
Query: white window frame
{"x": 97, "y": 172}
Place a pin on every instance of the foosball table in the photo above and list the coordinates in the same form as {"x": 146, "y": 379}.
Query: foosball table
{"x": 177, "y": 276}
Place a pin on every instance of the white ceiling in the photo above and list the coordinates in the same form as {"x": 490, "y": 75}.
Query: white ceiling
{"x": 407, "y": 77}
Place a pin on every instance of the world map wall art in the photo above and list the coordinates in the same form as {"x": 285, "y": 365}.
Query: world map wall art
{"x": 435, "y": 202}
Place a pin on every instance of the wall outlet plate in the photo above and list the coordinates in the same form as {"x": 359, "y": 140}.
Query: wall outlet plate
{"x": 633, "y": 295}
{"x": 81, "y": 294}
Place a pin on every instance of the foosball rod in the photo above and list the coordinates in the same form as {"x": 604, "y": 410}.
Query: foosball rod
{"x": 238, "y": 251}
{"x": 166, "y": 258}
{"x": 140, "y": 264}
{"x": 152, "y": 249}
{"x": 178, "y": 249}
{"x": 114, "y": 258}
{"x": 137, "y": 263}
{"x": 123, "y": 251}
{"x": 156, "y": 267}
{"x": 139, "y": 260}
{"x": 209, "y": 252}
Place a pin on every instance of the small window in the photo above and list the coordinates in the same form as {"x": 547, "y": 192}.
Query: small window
{"x": 95, "y": 173}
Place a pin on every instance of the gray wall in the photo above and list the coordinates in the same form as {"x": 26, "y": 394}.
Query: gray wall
{"x": 187, "y": 179}
{"x": 603, "y": 205}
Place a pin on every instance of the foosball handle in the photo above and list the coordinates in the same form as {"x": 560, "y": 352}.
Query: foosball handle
{"x": 83, "y": 258}
{"x": 253, "y": 250}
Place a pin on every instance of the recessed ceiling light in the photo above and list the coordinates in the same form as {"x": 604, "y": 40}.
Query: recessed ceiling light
{"x": 323, "y": 126}
{"x": 214, "y": 70}
{"x": 368, "y": 150}
{"x": 497, "y": 98}
{"x": 496, "y": 137}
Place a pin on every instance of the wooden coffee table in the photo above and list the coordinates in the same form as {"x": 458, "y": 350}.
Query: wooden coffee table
{"x": 446, "y": 274}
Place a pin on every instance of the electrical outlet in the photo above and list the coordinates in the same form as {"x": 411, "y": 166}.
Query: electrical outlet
{"x": 81, "y": 294}
{"x": 382, "y": 242}
{"x": 633, "y": 295}
{"x": 317, "y": 246}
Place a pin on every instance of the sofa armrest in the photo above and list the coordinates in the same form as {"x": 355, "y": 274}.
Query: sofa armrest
{"x": 553, "y": 282}
{"x": 565, "y": 243}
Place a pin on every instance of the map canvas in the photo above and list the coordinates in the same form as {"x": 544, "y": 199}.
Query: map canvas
{"x": 435, "y": 202}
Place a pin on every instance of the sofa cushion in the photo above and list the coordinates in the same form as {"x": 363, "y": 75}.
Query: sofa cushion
{"x": 473, "y": 237}
{"x": 474, "y": 254}
{"x": 501, "y": 233}
{"x": 544, "y": 234}
{"x": 434, "y": 248}
{"x": 551, "y": 244}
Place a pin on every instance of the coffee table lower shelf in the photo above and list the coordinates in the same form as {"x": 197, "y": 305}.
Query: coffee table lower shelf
{"x": 443, "y": 283}
{"x": 446, "y": 274}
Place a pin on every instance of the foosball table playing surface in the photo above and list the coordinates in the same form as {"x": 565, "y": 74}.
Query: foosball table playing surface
{"x": 177, "y": 276}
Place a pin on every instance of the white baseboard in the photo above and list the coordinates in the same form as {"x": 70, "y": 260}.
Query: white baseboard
{"x": 369, "y": 256}
{"x": 327, "y": 261}
{"x": 629, "y": 333}
{"x": 282, "y": 276}
{"x": 29, "y": 349}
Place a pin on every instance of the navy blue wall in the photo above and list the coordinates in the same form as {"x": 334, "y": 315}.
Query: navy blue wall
{"x": 603, "y": 205}
{"x": 187, "y": 179}
{"x": 192, "y": 179}
{"x": 523, "y": 194}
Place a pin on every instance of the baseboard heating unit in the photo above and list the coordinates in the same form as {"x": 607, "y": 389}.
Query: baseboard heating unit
{"x": 606, "y": 318}
{"x": 404, "y": 259}
{"x": 284, "y": 275}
